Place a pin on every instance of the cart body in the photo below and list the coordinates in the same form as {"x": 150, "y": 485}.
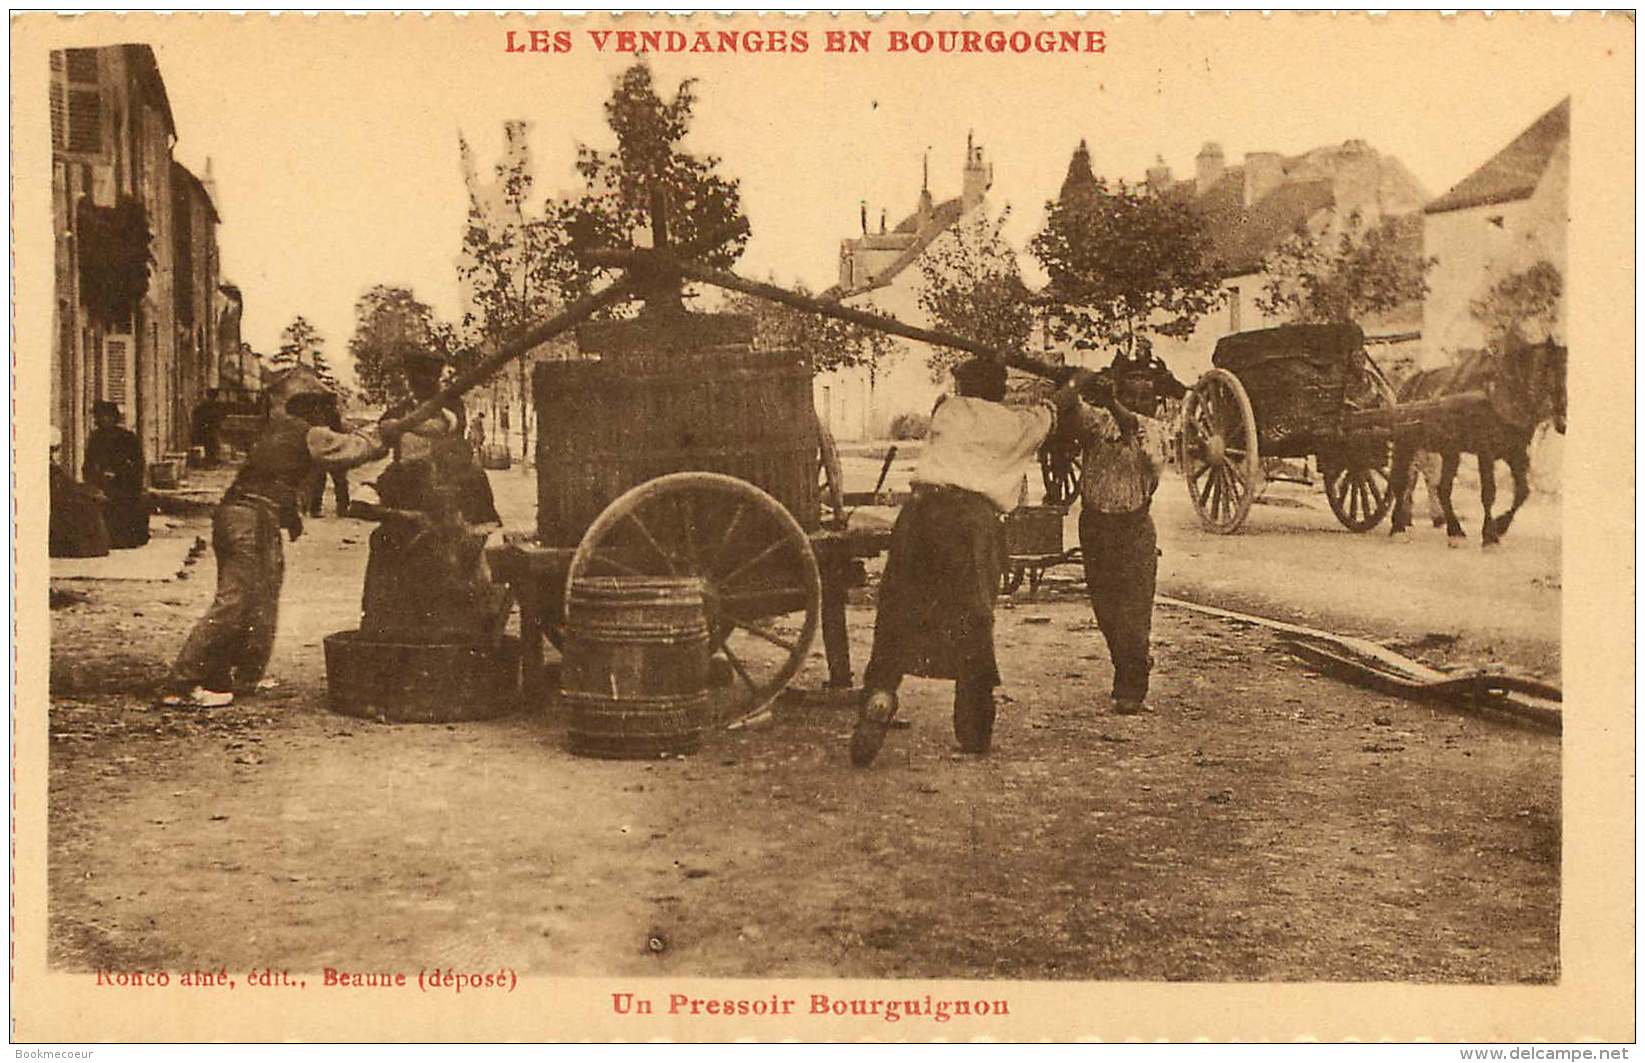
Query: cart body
{"x": 1288, "y": 392}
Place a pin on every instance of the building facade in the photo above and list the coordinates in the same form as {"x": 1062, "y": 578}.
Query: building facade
{"x": 879, "y": 271}
{"x": 1502, "y": 218}
{"x": 135, "y": 258}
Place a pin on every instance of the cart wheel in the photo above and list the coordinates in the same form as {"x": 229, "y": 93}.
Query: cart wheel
{"x": 1010, "y": 579}
{"x": 1357, "y": 475}
{"x": 1060, "y": 460}
{"x": 761, "y": 587}
{"x": 1219, "y": 451}
{"x": 830, "y": 479}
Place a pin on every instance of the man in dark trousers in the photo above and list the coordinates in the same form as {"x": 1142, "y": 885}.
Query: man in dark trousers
{"x": 114, "y": 466}
{"x": 229, "y": 648}
{"x": 1120, "y": 472}
{"x": 208, "y": 427}
{"x": 936, "y": 599}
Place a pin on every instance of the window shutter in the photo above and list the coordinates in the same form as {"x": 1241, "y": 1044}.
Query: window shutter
{"x": 59, "y": 116}
{"x": 85, "y": 119}
{"x": 116, "y": 354}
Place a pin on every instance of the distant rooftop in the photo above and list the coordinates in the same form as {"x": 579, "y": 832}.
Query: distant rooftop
{"x": 1512, "y": 173}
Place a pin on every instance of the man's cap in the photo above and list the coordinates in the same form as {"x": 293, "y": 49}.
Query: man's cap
{"x": 980, "y": 374}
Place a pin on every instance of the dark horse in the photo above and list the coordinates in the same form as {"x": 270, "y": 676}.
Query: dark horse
{"x": 1524, "y": 384}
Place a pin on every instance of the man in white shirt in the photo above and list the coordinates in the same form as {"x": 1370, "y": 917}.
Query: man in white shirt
{"x": 936, "y": 599}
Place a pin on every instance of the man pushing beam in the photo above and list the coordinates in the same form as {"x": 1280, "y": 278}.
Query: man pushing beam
{"x": 228, "y": 649}
{"x": 936, "y": 602}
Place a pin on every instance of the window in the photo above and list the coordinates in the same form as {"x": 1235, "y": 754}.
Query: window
{"x": 82, "y": 65}
{"x": 1233, "y": 309}
{"x": 76, "y": 102}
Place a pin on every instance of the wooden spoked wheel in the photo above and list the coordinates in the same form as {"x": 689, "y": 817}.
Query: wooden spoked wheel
{"x": 1219, "y": 451}
{"x": 1060, "y": 459}
{"x": 830, "y": 479}
{"x": 1357, "y": 474}
{"x": 761, "y": 588}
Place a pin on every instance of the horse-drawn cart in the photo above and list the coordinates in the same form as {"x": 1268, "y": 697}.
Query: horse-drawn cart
{"x": 1291, "y": 392}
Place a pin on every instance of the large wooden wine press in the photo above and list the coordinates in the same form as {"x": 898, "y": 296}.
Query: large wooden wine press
{"x": 673, "y": 448}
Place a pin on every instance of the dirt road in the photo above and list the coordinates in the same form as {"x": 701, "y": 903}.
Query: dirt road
{"x": 1293, "y": 561}
{"x": 1264, "y": 823}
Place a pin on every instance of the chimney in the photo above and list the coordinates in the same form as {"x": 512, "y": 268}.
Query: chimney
{"x": 209, "y": 183}
{"x": 1356, "y": 180}
{"x": 978, "y": 176}
{"x": 1207, "y": 167}
{"x": 1159, "y": 175}
{"x": 1264, "y": 172}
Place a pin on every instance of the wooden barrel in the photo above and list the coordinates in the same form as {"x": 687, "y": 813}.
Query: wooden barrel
{"x": 675, "y": 393}
{"x": 634, "y": 669}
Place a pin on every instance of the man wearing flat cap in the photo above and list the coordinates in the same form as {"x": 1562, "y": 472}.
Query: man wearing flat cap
{"x": 230, "y": 646}
{"x": 936, "y": 600}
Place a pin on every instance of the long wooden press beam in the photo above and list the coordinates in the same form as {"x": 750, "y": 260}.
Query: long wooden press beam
{"x": 521, "y": 342}
{"x": 651, "y": 261}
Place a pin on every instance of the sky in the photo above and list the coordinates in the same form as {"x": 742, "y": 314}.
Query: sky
{"x": 333, "y": 142}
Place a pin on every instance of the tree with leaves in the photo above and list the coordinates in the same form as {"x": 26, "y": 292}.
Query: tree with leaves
{"x": 826, "y": 343}
{"x": 389, "y": 321}
{"x": 1522, "y": 305}
{"x": 1343, "y": 273}
{"x": 1123, "y": 260}
{"x": 648, "y": 166}
{"x": 514, "y": 255}
{"x": 302, "y": 344}
{"x": 971, "y": 285}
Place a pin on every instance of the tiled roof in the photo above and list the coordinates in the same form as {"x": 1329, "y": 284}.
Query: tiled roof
{"x": 943, "y": 217}
{"x": 1513, "y": 172}
{"x": 1241, "y": 237}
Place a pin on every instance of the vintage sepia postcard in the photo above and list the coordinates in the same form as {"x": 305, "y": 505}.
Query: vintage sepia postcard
{"x": 902, "y": 528}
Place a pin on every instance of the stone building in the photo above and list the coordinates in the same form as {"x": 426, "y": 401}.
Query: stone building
{"x": 136, "y": 265}
{"x": 1254, "y": 207}
{"x": 1502, "y": 218}
{"x": 879, "y": 271}
{"x": 197, "y": 362}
